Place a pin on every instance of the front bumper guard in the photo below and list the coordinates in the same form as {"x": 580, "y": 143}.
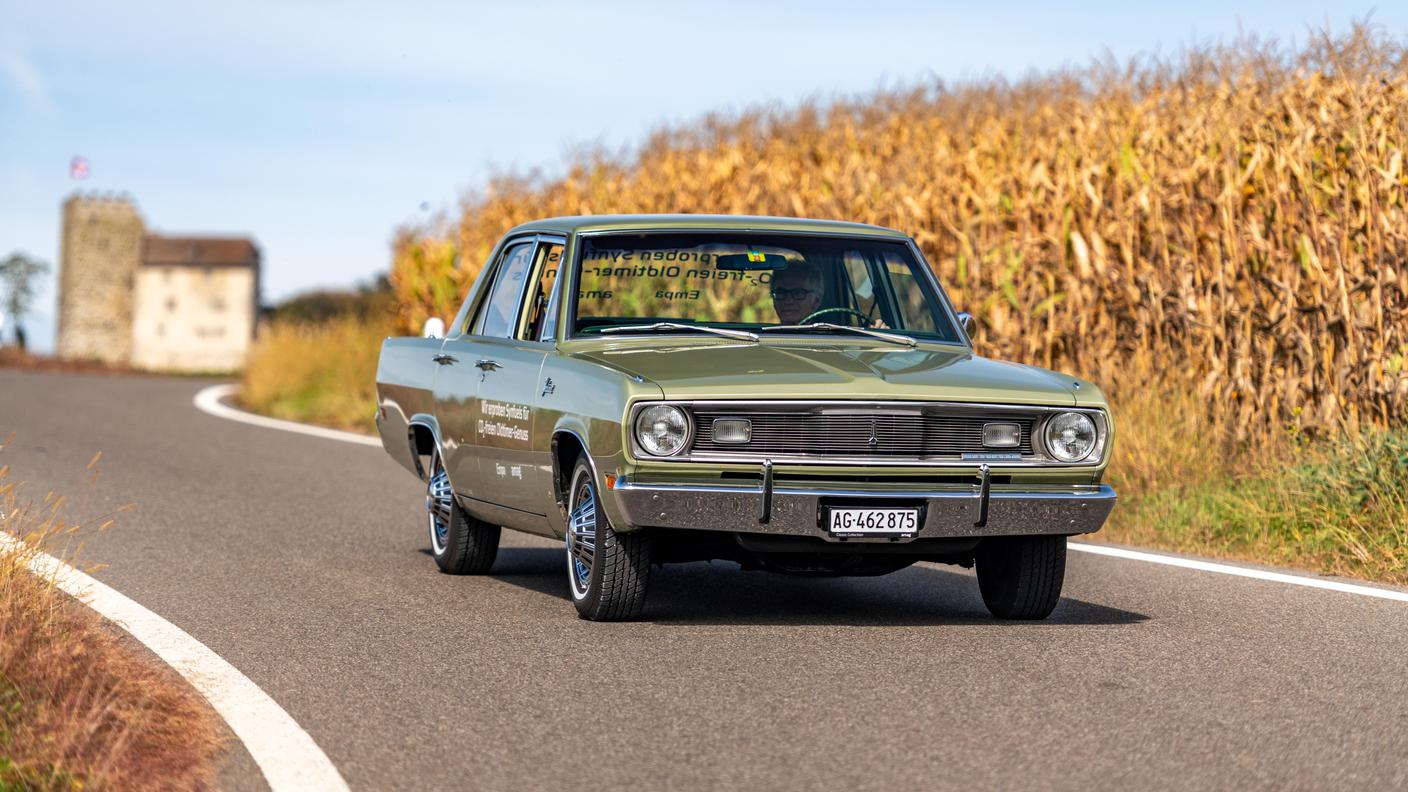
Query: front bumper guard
{"x": 951, "y": 511}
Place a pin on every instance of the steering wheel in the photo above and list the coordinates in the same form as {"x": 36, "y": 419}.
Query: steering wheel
{"x": 865, "y": 320}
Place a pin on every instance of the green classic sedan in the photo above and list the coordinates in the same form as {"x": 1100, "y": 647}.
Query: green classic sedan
{"x": 797, "y": 396}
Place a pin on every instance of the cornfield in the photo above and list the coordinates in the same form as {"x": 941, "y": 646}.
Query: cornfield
{"x": 1233, "y": 217}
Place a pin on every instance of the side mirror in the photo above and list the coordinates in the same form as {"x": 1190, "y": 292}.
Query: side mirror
{"x": 434, "y": 328}
{"x": 965, "y": 320}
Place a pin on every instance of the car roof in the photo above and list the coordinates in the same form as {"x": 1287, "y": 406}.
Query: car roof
{"x": 701, "y": 222}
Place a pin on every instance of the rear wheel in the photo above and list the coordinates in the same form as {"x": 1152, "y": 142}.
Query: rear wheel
{"x": 461, "y": 544}
{"x": 607, "y": 572}
{"x": 1021, "y": 576}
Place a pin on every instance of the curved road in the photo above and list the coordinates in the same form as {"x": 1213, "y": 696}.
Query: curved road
{"x": 303, "y": 562}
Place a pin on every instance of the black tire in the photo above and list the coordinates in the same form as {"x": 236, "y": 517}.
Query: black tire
{"x": 618, "y": 566}
{"x": 464, "y": 545}
{"x": 1021, "y": 576}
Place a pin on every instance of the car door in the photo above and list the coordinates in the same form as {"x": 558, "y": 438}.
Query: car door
{"x": 510, "y": 387}
{"x": 463, "y": 365}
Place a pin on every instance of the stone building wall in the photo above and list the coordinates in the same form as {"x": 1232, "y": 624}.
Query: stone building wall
{"x": 157, "y": 302}
{"x": 99, "y": 256}
{"x": 193, "y": 318}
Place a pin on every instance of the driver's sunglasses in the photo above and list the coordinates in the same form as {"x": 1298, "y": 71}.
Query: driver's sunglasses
{"x": 791, "y": 294}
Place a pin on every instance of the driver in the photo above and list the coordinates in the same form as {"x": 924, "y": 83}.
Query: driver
{"x": 796, "y": 292}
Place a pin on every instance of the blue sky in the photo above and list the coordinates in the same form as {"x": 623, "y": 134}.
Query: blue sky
{"x": 319, "y": 127}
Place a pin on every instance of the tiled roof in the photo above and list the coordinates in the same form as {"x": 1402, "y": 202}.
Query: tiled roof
{"x": 167, "y": 251}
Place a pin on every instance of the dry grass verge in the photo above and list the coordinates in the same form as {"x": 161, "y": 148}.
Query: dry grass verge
{"x": 1335, "y": 503}
{"x": 317, "y": 373}
{"x": 80, "y": 706}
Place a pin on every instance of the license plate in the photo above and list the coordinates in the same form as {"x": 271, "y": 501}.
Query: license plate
{"x": 872, "y": 522}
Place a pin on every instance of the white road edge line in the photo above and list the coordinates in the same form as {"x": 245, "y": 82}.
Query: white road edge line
{"x": 1228, "y": 569}
{"x": 208, "y": 400}
{"x": 285, "y": 753}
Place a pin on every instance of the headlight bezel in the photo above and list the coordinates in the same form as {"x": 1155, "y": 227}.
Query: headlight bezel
{"x": 639, "y": 443}
{"x": 1097, "y": 437}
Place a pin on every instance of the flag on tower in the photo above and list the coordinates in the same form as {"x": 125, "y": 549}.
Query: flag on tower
{"x": 78, "y": 168}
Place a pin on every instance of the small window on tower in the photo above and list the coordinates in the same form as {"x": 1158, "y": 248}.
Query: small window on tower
{"x": 171, "y": 304}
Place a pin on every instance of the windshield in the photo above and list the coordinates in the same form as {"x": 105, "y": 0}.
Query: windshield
{"x": 754, "y": 281}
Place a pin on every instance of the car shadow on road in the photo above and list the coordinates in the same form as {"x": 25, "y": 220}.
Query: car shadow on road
{"x": 718, "y": 593}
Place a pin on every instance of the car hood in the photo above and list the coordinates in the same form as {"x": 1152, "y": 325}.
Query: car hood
{"x": 801, "y": 369}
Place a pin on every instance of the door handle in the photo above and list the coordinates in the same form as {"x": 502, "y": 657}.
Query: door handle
{"x": 488, "y": 365}
{"x": 445, "y": 360}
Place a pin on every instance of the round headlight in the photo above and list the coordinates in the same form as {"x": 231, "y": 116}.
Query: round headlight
{"x": 1070, "y": 436}
{"x": 662, "y": 430}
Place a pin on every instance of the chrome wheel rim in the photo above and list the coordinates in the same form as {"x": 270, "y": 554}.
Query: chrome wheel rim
{"x": 439, "y": 505}
{"x": 581, "y": 534}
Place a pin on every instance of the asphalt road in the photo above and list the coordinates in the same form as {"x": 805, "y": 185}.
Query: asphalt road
{"x": 303, "y": 562}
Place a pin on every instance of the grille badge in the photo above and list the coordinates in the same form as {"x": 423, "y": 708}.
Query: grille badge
{"x": 874, "y": 440}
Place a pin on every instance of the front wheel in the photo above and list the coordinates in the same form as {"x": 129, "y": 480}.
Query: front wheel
{"x": 1021, "y": 576}
{"x": 607, "y": 572}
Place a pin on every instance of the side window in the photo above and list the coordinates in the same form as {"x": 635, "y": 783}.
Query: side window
{"x": 496, "y": 315}
{"x": 915, "y": 313}
{"x": 862, "y": 288}
{"x": 541, "y": 309}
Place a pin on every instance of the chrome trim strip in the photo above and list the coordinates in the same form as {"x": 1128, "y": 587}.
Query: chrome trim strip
{"x": 1065, "y": 492}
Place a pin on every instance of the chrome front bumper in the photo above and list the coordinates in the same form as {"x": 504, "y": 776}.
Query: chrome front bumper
{"x": 797, "y": 511}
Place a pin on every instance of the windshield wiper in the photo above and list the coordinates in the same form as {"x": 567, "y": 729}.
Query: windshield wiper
{"x": 741, "y": 335}
{"x": 891, "y": 337}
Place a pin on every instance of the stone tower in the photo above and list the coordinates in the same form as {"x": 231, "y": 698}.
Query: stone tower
{"x": 102, "y": 247}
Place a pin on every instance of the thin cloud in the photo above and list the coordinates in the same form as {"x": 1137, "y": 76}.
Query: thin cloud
{"x": 22, "y": 75}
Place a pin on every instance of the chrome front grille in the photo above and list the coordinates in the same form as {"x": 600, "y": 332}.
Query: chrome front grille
{"x": 916, "y": 434}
